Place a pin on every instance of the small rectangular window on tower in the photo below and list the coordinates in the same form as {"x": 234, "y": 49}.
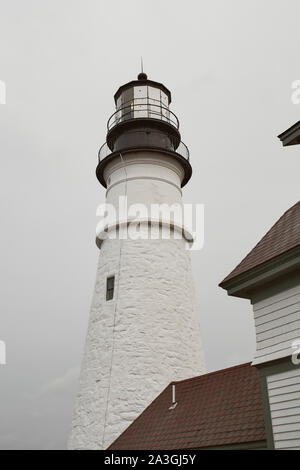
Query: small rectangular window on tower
{"x": 110, "y": 286}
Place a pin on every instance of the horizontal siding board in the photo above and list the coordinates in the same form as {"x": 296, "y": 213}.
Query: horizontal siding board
{"x": 290, "y": 374}
{"x": 284, "y": 413}
{"x": 279, "y": 428}
{"x": 274, "y": 313}
{"x": 274, "y": 345}
{"x": 285, "y": 405}
{"x": 287, "y": 435}
{"x": 292, "y": 444}
{"x": 280, "y": 347}
{"x": 282, "y": 420}
{"x": 287, "y": 382}
{"x": 274, "y": 299}
{"x": 279, "y": 391}
{"x": 291, "y": 317}
{"x": 285, "y": 397}
{"x": 261, "y": 357}
{"x": 281, "y": 333}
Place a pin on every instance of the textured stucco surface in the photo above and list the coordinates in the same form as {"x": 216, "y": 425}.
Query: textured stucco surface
{"x": 147, "y": 336}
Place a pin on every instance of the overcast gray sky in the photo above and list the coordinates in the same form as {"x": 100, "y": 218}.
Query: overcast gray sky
{"x": 230, "y": 65}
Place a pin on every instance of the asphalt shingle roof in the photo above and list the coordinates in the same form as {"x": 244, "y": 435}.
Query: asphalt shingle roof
{"x": 282, "y": 237}
{"x": 220, "y": 408}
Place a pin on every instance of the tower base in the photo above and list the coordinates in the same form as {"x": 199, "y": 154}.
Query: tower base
{"x": 138, "y": 342}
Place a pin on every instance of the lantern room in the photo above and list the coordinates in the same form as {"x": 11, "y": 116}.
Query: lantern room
{"x": 143, "y": 121}
{"x": 142, "y": 98}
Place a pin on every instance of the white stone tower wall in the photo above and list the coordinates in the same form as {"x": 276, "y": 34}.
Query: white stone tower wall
{"x": 148, "y": 334}
{"x": 144, "y": 177}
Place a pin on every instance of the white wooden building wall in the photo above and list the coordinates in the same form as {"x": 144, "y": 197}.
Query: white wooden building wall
{"x": 284, "y": 398}
{"x": 277, "y": 324}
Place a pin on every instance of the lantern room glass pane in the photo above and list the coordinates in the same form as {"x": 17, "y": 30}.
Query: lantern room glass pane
{"x": 119, "y": 102}
{"x": 140, "y": 92}
{"x": 127, "y": 96}
{"x": 154, "y": 93}
{"x": 165, "y": 106}
{"x": 118, "y": 115}
{"x": 140, "y": 102}
{"x": 154, "y": 102}
{"x": 126, "y": 105}
{"x": 164, "y": 99}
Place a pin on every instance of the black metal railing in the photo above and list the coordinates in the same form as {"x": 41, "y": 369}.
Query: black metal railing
{"x": 147, "y": 110}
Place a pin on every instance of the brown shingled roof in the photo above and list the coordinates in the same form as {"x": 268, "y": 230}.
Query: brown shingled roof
{"x": 282, "y": 237}
{"x": 215, "y": 409}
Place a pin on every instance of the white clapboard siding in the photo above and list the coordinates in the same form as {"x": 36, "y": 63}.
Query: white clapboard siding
{"x": 284, "y": 398}
{"x": 293, "y": 444}
{"x": 277, "y": 324}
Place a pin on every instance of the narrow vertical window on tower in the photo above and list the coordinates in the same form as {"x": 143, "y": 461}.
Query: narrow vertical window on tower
{"x": 110, "y": 287}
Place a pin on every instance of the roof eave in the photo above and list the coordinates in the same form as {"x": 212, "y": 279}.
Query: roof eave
{"x": 245, "y": 284}
{"x": 291, "y": 136}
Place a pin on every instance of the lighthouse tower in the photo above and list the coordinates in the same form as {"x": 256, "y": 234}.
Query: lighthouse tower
{"x": 143, "y": 330}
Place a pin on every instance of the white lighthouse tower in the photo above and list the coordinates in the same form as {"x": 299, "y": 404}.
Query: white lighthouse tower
{"x": 143, "y": 331}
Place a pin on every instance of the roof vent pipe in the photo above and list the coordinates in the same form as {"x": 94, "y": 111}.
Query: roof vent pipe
{"x": 174, "y": 402}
